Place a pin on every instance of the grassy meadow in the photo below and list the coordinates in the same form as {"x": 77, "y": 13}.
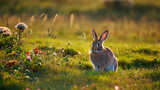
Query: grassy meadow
{"x": 62, "y": 35}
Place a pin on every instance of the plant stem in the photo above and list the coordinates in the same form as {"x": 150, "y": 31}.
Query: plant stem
{"x": 19, "y": 37}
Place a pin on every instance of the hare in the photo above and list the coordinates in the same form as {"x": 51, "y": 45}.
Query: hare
{"x": 102, "y": 59}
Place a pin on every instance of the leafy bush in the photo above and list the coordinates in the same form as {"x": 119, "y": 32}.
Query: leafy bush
{"x": 7, "y": 42}
{"x": 9, "y": 47}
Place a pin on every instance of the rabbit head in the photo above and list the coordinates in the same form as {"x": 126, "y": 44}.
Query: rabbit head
{"x": 97, "y": 42}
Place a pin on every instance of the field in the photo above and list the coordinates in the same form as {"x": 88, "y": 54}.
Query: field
{"x": 62, "y": 36}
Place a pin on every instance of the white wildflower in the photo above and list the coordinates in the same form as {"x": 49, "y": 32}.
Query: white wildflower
{"x": 5, "y": 31}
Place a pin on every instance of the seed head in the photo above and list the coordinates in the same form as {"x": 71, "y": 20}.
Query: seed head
{"x": 21, "y": 26}
{"x": 5, "y": 31}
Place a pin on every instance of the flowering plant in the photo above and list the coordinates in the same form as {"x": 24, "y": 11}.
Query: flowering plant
{"x": 5, "y": 31}
{"x": 21, "y": 26}
{"x": 20, "y": 29}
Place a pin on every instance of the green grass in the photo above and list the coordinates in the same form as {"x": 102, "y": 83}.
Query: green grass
{"x": 138, "y": 68}
{"x": 138, "y": 56}
{"x": 135, "y": 73}
{"x": 133, "y": 37}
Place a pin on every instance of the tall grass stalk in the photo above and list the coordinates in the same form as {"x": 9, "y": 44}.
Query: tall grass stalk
{"x": 72, "y": 17}
{"x": 32, "y": 20}
{"x": 45, "y": 18}
{"x": 54, "y": 19}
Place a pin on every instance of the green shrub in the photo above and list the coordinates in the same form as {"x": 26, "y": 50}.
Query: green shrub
{"x": 10, "y": 48}
{"x": 7, "y": 42}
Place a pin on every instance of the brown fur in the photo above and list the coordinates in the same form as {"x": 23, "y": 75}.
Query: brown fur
{"x": 102, "y": 58}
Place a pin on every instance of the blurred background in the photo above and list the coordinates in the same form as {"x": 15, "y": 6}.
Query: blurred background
{"x": 138, "y": 19}
{"x": 112, "y": 8}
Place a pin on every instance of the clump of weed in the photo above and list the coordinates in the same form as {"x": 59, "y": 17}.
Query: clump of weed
{"x": 147, "y": 51}
{"x": 6, "y": 40}
{"x": 45, "y": 48}
{"x": 153, "y": 75}
{"x": 8, "y": 44}
{"x": 70, "y": 51}
{"x": 66, "y": 52}
{"x": 84, "y": 66}
{"x": 139, "y": 63}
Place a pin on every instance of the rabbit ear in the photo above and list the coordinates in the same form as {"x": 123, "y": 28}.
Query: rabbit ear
{"x": 104, "y": 35}
{"x": 94, "y": 35}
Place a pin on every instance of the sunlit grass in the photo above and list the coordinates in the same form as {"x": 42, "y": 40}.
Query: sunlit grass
{"x": 134, "y": 43}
